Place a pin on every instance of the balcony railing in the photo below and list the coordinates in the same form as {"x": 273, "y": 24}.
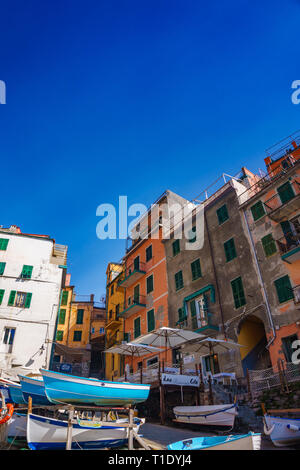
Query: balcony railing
{"x": 197, "y": 324}
{"x": 284, "y": 202}
{"x": 132, "y": 274}
{"x": 134, "y": 305}
{"x": 288, "y": 242}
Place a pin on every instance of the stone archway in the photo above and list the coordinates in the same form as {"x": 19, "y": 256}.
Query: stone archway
{"x": 252, "y": 335}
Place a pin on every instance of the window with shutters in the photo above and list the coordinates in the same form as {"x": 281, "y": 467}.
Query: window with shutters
{"x": 269, "y": 245}
{"x": 79, "y": 319}
{"x": 1, "y": 295}
{"x": 149, "y": 253}
{"x": 285, "y": 192}
{"x": 199, "y": 312}
{"x": 149, "y": 282}
{"x": 196, "y": 269}
{"x": 8, "y": 338}
{"x": 257, "y": 210}
{"x": 59, "y": 335}
{"x": 284, "y": 289}
{"x": 222, "y": 214}
{"x": 176, "y": 247}
{"x": 2, "y": 268}
{"x": 62, "y": 316}
{"x": 238, "y": 292}
{"x": 3, "y": 243}
{"x": 77, "y": 335}
{"x": 151, "y": 320}
{"x": 137, "y": 327}
{"x": 19, "y": 299}
{"x": 230, "y": 251}
{"x": 64, "y": 298}
{"x": 178, "y": 280}
{"x": 26, "y": 272}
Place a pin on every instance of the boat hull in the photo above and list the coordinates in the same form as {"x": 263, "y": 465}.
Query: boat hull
{"x": 214, "y": 415}
{"x": 251, "y": 441}
{"x": 15, "y": 392}
{"x": 285, "y": 431}
{"x": 64, "y": 388}
{"x": 47, "y": 433}
{"x": 35, "y": 389}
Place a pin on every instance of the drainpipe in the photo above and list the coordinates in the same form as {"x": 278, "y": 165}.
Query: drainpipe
{"x": 261, "y": 282}
{"x": 55, "y": 330}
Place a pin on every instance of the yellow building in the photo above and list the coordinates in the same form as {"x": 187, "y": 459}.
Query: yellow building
{"x": 114, "y": 328}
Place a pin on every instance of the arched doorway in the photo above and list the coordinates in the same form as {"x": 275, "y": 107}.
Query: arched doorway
{"x": 252, "y": 335}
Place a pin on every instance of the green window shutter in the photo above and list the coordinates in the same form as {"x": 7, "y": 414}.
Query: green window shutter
{"x": 3, "y": 243}
{"x": 136, "y": 263}
{"x": 64, "y": 299}
{"x": 28, "y": 300}
{"x": 79, "y": 320}
{"x": 77, "y": 335}
{"x": 178, "y": 280}
{"x": 222, "y": 214}
{"x": 284, "y": 289}
{"x": 1, "y": 295}
{"x": 238, "y": 292}
{"x": 193, "y": 308}
{"x": 26, "y": 272}
{"x": 180, "y": 314}
{"x": 12, "y": 297}
{"x": 137, "y": 327}
{"x": 257, "y": 210}
{"x": 151, "y": 320}
{"x": 196, "y": 269}
{"x": 126, "y": 337}
{"x": 269, "y": 245}
{"x": 230, "y": 251}
{"x": 176, "y": 247}
{"x": 59, "y": 335}
{"x": 62, "y": 316}
{"x": 2, "y": 268}
{"x": 285, "y": 192}
{"x": 150, "y": 284}
{"x": 136, "y": 294}
{"x": 148, "y": 253}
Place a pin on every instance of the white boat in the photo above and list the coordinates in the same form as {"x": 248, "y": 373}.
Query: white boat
{"x": 210, "y": 415}
{"x": 282, "y": 431}
{"x": 45, "y": 433}
{"x": 250, "y": 441}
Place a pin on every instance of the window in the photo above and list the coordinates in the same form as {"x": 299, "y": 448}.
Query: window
{"x": 269, "y": 245}
{"x": 178, "y": 280}
{"x": 64, "y": 299}
{"x": 196, "y": 269}
{"x": 137, "y": 327}
{"x": 148, "y": 253}
{"x": 151, "y": 320}
{"x": 2, "y": 268}
{"x": 257, "y": 210}
{"x": 26, "y": 272}
{"x": 1, "y": 295}
{"x": 77, "y": 335}
{"x": 56, "y": 358}
{"x": 79, "y": 320}
{"x": 152, "y": 361}
{"x": 222, "y": 214}
{"x": 110, "y": 314}
{"x": 192, "y": 237}
{"x": 8, "y": 339}
{"x": 19, "y": 299}
{"x": 3, "y": 243}
{"x": 62, "y": 316}
{"x": 288, "y": 349}
{"x": 199, "y": 312}
{"x": 238, "y": 292}
{"x": 136, "y": 294}
{"x": 285, "y": 192}
{"x": 229, "y": 248}
{"x": 176, "y": 247}
{"x": 136, "y": 263}
{"x": 127, "y": 337}
{"x": 117, "y": 311}
{"x": 112, "y": 290}
{"x": 284, "y": 289}
{"x": 101, "y": 330}
{"x": 59, "y": 335}
{"x": 93, "y": 330}
{"x": 149, "y": 284}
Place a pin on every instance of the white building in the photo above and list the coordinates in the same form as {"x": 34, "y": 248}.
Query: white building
{"x": 31, "y": 275}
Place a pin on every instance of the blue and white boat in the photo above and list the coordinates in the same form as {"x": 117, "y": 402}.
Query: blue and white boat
{"x": 283, "y": 431}
{"x": 47, "y": 433}
{"x": 34, "y": 388}
{"x": 250, "y": 441}
{"x": 15, "y": 392}
{"x": 65, "y": 388}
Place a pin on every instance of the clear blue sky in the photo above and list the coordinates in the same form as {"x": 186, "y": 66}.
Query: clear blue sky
{"x": 131, "y": 97}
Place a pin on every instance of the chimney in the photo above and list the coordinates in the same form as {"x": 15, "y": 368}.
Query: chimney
{"x": 92, "y": 298}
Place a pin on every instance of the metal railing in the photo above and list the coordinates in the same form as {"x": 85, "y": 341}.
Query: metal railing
{"x": 288, "y": 242}
{"x": 261, "y": 380}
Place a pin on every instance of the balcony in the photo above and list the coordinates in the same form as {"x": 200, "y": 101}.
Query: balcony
{"x": 289, "y": 247}
{"x": 280, "y": 206}
{"x": 136, "y": 304}
{"x": 132, "y": 274}
{"x": 198, "y": 324}
{"x": 113, "y": 322}
{"x": 59, "y": 254}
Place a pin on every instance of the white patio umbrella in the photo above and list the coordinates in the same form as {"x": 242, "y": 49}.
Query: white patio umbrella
{"x": 131, "y": 349}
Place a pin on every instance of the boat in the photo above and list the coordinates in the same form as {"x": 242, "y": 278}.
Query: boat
{"x": 250, "y": 441}
{"x": 283, "y": 431}
{"x": 45, "y": 433}
{"x": 65, "y": 388}
{"x": 15, "y": 392}
{"x": 35, "y": 389}
{"x": 210, "y": 415}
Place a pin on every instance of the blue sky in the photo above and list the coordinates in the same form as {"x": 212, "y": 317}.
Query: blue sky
{"x": 123, "y": 97}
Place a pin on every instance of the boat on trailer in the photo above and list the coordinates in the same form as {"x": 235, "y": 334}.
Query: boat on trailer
{"x": 210, "y": 415}
{"x": 283, "y": 431}
{"x": 45, "y": 433}
{"x": 250, "y": 441}
{"x": 34, "y": 388}
{"x": 65, "y": 388}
